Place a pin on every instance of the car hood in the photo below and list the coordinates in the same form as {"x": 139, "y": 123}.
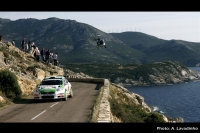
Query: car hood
{"x": 49, "y": 86}
{"x": 44, "y": 87}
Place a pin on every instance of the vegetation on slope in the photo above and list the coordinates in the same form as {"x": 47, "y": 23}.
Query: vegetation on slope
{"x": 11, "y": 91}
{"x": 68, "y": 38}
{"x": 122, "y": 107}
{"x": 121, "y": 72}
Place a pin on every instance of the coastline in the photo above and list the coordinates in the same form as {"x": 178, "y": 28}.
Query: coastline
{"x": 166, "y": 118}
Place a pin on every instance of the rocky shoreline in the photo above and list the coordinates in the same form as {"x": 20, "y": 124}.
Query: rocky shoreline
{"x": 140, "y": 100}
{"x": 176, "y": 74}
{"x": 132, "y": 85}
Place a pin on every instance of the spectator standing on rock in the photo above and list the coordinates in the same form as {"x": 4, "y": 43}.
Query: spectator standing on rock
{"x": 34, "y": 53}
{"x": 0, "y": 37}
{"x": 33, "y": 44}
{"x": 29, "y": 46}
{"x": 42, "y": 53}
{"x": 26, "y": 47}
{"x": 58, "y": 63}
{"x": 51, "y": 57}
{"x": 13, "y": 42}
{"x": 55, "y": 59}
{"x": 47, "y": 54}
{"x": 37, "y": 53}
{"x": 23, "y": 44}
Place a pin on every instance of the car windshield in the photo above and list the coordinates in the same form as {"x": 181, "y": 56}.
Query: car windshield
{"x": 52, "y": 82}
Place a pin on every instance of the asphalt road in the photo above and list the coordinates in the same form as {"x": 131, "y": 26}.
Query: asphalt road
{"x": 75, "y": 109}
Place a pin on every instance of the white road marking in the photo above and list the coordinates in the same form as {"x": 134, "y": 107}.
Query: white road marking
{"x": 54, "y": 104}
{"x": 76, "y": 90}
{"x": 38, "y": 115}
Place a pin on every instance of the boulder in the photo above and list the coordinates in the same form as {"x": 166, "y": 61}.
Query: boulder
{"x": 2, "y": 100}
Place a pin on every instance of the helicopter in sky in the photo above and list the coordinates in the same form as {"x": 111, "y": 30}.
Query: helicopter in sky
{"x": 99, "y": 41}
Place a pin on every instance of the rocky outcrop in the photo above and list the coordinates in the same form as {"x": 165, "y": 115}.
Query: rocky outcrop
{"x": 161, "y": 73}
{"x": 71, "y": 74}
{"x": 139, "y": 100}
{"x": 2, "y": 100}
{"x": 28, "y": 71}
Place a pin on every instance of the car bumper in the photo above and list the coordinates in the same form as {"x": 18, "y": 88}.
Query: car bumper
{"x": 49, "y": 96}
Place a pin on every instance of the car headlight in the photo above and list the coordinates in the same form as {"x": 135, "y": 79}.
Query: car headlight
{"x": 37, "y": 89}
{"x": 58, "y": 89}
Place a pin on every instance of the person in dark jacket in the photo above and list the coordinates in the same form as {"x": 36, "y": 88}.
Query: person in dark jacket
{"x": 47, "y": 54}
{"x": 29, "y": 46}
{"x": 42, "y": 53}
{"x": 0, "y": 37}
{"x": 23, "y": 44}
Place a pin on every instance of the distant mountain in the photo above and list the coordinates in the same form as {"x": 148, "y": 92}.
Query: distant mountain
{"x": 68, "y": 38}
{"x": 156, "y": 50}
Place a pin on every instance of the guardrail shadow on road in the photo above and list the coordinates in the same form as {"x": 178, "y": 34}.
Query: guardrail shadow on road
{"x": 98, "y": 86}
{"x": 30, "y": 100}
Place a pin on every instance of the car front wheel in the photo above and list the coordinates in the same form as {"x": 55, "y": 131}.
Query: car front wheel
{"x": 65, "y": 96}
{"x": 71, "y": 94}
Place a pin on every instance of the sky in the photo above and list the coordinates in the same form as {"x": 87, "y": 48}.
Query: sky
{"x": 163, "y": 25}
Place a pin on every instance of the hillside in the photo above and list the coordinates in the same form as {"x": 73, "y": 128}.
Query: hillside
{"x": 138, "y": 40}
{"x": 29, "y": 73}
{"x": 158, "y": 73}
{"x": 69, "y": 39}
{"x": 158, "y": 50}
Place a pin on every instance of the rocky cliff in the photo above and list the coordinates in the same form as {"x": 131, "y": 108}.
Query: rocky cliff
{"x": 139, "y": 101}
{"x": 159, "y": 73}
{"x": 28, "y": 71}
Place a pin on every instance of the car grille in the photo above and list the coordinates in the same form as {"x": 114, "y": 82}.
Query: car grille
{"x": 47, "y": 97}
{"x": 47, "y": 92}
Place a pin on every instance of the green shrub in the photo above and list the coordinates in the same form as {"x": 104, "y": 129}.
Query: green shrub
{"x": 127, "y": 111}
{"x": 154, "y": 118}
{"x": 2, "y": 48}
{"x": 9, "y": 85}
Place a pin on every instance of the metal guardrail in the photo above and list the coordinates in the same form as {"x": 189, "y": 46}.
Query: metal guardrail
{"x": 95, "y": 80}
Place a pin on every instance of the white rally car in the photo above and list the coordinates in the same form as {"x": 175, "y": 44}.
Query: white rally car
{"x": 55, "y": 87}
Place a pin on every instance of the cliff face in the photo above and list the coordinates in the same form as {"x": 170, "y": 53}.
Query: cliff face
{"x": 28, "y": 71}
{"x": 160, "y": 73}
{"x": 139, "y": 101}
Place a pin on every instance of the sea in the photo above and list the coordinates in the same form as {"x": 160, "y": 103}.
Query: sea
{"x": 173, "y": 100}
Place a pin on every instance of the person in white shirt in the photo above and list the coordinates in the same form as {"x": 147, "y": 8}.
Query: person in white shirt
{"x": 13, "y": 42}
{"x": 37, "y": 54}
{"x": 55, "y": 59}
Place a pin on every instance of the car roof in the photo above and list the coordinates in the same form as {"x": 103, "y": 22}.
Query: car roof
{"x": 54, "y": 78}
